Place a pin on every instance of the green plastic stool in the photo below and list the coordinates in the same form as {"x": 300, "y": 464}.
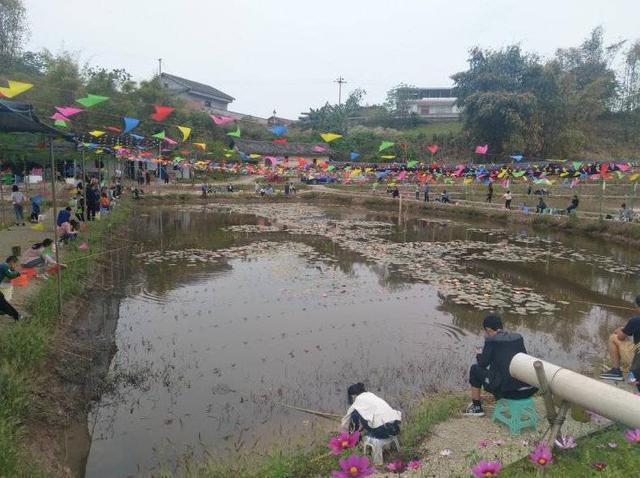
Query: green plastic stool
{"x": 516, "y": 414}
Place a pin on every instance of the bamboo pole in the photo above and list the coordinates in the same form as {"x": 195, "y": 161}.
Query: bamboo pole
{"x": 329, "y": 416}
{"x": 55, "y": 225}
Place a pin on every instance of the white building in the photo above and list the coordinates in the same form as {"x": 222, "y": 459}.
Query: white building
{"x": 437, "y": 104}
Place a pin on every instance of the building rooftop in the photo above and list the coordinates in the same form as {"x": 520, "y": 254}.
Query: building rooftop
{"x": 198, "y": 88}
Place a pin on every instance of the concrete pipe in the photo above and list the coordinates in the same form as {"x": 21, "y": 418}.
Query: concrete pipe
{"x": 605, "y": 400}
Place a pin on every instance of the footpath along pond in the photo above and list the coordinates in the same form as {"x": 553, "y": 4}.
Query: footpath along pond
{"x": 236, "y": 309}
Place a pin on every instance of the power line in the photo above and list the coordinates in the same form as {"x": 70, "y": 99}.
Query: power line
{"x": 340, "y": 80}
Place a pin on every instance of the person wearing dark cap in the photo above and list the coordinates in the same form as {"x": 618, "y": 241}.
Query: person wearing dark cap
{"x": 492, "y": 370}
{"x": 370, "y": 414}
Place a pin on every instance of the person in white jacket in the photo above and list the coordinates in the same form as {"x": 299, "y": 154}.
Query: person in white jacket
{"x": 370, "y": 414}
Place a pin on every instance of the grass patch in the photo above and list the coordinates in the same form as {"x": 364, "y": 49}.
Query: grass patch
{"x": 623, "y": 461}
{"x": 24, "y": 347}
{"x": 318, "y": 462}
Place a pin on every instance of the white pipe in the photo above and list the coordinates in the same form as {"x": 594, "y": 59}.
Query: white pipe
{"x": 605, "y": 400}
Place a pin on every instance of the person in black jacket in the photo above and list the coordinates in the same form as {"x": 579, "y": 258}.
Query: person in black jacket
{"x": 492, "y": 370}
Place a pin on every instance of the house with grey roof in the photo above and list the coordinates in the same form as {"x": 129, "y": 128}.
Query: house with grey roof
{"x": 198, "y": 95}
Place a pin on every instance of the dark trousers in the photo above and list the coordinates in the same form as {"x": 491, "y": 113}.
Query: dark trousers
{"x": 426, "y": 197}
{"x": 384, "y": 431}
{"x": 507, "y": 204}
{"x": 7, "y": 309}
{"x": 91, "y": 211}
{"x": 479, "y": 378}
{"x": 571, "y": 208}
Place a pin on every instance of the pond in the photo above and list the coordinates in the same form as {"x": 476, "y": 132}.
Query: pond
{"x": 234, "y": 312}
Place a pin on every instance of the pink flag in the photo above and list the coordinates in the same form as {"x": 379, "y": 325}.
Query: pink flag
{"x": 319, "y": 149}
{"x": 482, "y": 149}
{"x": 574, "y": 183}
{"x": 402, "y": 175}
{"x": 68, "y": 111}
{"x": 170, "y": 141}
{"x": 624, "y": 167}
{"x": 271, "y": 159}
{"x": 219, "y": 120}
{"x": 433, "y": 148}
{"x": 58, "y": 117}
{"x": 505, "y": 184}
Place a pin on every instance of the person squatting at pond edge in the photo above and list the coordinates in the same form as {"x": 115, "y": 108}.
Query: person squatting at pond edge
{"x": 370, "y": 414}
{"x": 8, "y": 271}
{"x": 492, "y": 370}
{"x": 574, "y": 204}
{"x": 40, "y": 255}
{"x": 622, "y": 350}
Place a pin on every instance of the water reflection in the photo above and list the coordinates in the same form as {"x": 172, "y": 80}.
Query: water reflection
{"x": 296, "y": 317}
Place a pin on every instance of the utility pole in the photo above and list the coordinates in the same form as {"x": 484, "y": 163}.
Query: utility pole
{"x": 340, "y": 81}
{"x": 159, "y": 66}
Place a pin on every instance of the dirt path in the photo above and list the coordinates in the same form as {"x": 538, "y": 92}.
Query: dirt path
{"x": 459, "y": 443}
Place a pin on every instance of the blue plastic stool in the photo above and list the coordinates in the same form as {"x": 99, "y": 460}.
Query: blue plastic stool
{"x": 516, "y": 414}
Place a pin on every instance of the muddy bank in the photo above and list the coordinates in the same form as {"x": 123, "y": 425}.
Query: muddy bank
{"x": 79, "y": 352}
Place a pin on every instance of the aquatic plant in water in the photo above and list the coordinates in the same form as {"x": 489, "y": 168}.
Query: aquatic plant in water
{"x": 343, "y": 442}
{"x": 354, "y": 467}
{"x": 541, "y": 456}
{"x": 486, "y": 469}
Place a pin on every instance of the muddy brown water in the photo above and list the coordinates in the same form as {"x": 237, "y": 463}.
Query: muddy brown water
{"x": 209, "y": 347}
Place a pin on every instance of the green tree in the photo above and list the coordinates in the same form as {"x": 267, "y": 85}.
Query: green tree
{"x": 334, "y": 118}
{"x": 500, "y": 107}
{"x": 13, "y": 30}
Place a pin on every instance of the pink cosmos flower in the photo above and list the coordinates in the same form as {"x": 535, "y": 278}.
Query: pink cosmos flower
{"x": 397, "y": 466}
{"x": 343, "y": 442}
{"x": 486, "y": 469}
{"x": 484, "y": 443}
{"x": 354, "y": 467}
{"x": 414, "y": 464}
{"x": 599, "y": 466}
{"x": 633, "y": 436}
{"x": 566, "y": 442}
{"x": 541, "y": 456}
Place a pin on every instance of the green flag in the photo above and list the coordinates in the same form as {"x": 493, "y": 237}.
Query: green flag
{"x": 236, "y": 133}
{"x": 159, "y": 135}
{"x": 60, "y": 123}
{"x": 92, "y": 100}
{"x": 385, "y": 145}
{"x": 411, "y": 164}
{"x": 577, "y": 165}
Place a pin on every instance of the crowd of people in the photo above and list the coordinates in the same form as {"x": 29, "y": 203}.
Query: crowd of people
{"x": 85, "y": 204}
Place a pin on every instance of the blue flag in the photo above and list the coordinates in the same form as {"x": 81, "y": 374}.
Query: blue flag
{"x": 517, "y": 157}
{"x": 130, "y": 124}
{"x": 279, "y": 130}
{"x": 354, "y": 155}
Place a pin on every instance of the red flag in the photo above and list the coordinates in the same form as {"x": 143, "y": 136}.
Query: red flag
{"x": 280, "y": 141}
{"x": 604, "y": 168}
{"x": 162, "y": 112}
{"x": 113, "y": 129}
{"x": 433, "y": 148}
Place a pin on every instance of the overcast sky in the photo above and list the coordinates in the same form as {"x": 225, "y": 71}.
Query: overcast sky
{"x": 286, "y": 54}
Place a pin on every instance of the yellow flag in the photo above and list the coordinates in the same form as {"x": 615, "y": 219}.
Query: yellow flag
{"x": 202, "y": 146}
{"x": 468, "y": 180}
{"x": 254, "y": 156}
{"x": 368, "y": 170}
{"x": 185, "y": 132}
{"x": 328, "y": 137}
{"x": 633, "y": 177}
{"x": 388, "y": 157}
{"x": 15, "y": 88}
{"x": 96, "y": 133}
